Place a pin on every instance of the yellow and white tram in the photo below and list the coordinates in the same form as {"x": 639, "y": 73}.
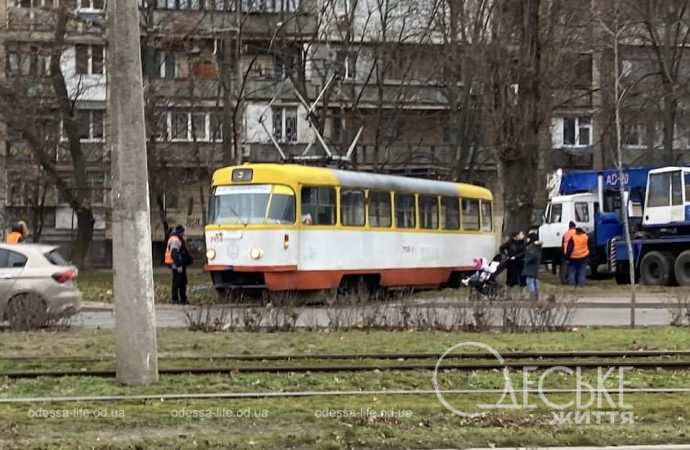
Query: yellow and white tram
{"x": 292, "y": 227}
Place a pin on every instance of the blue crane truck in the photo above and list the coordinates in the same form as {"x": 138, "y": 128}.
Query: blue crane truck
{"x": 591, "y": 199}
{"x": 661, "y": 240}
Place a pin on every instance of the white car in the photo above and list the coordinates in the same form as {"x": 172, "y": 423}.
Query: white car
{"x": 35, "y": 283}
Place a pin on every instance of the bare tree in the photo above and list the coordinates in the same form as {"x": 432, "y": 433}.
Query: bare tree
{"x": 662, "y": 27}
{"x": 21, "y": 108}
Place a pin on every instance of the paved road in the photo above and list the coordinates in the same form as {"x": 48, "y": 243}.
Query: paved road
{"x": 609, "y": 310}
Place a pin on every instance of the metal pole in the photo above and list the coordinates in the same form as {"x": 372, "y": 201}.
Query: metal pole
{"x": 135, "y": 321}
{"x": 238, "y": 85}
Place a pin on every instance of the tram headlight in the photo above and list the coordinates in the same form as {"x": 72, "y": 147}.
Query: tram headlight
{"x": 256, "y": 253}
{"x": 210, "y": 254}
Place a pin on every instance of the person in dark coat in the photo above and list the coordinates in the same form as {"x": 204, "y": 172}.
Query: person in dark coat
{"x": 178, "y": 257}
{"x": 532, "y": 262}
{"x": 514, "y": 252}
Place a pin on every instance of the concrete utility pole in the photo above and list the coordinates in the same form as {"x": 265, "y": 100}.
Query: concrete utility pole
{"x": 135, "y": 318}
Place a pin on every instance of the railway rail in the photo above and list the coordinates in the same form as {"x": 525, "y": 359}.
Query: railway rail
{"x": 382, "y": 356}
{"x": 303, "y": 394}
{"x": 324, "y": 363}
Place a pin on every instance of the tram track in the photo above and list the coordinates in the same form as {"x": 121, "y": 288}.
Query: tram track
{"x": 306, "y": 394}
{"x": 374, "y": 356}
{"x": 541, "y": 361}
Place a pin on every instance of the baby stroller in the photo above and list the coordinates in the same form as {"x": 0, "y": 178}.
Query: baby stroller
{"x": 484, "y": 279}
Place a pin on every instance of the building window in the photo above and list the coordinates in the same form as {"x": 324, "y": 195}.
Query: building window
{"x": 269, "y": 5}
{"x": 216, "y": 129}
{"x": 160, "y": 126}
{"x": 379, "y": 209}
{"x": 184, "y": 4}
{"x": 166, "y": 65}
{"x": 35, "y": 3}
{"x": 470, "y": 214}
{"x": 283, "y": 65}
{"x": 428, "y": 212}
{"x": 318, "y": 206}
{"x": 91, "y": 125}
{"x": 346, "y": 64}
{"x": 352, "y": 208}
{"x": 224, "y": 5}
{"x": 577, "y": 131}
{"x": 28, "y": 62}
{"x": 634, "y": 135}
{"x": 97, "y": 5}
{"x": 285, "y": 124}
{"x": 451, "y": 213}
{"x": 90, "y": 59}
{"x": 179, "y": 126}
{"x": 97, "y": 184}
{"x": 186, "y": 126}
{"x": 199, "y": 131}
{"x": 405, "y": 216}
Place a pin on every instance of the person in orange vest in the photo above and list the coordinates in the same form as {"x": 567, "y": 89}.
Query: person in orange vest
{"x": 567, "y": 235}
{"x": 17, "y": 234}
{"x": 564, "y": 249}
{"x": 178, "y": 258}
{"x": 577, "y": 254}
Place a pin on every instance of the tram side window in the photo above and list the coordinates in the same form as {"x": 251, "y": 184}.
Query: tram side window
{"x": 451, "y": 213}
{"x": 352, "y": 208}
{"x": 470, "y": 214}
{"x": 379, "y": 209}
{"x": 428, "y": 212}
{"x": 318, "y": 206}
{"x": 487, "y": 224}
{"x": 405, "y": 211}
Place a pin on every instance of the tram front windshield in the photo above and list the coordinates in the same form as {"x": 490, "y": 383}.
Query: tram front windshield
{"x": 252, "y": 205}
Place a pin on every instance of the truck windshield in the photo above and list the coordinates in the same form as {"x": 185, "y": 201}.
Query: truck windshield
{"x": 248, "y": 205}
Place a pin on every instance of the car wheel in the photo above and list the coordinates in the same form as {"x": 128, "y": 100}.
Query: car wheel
{"x": 27, "y": 312}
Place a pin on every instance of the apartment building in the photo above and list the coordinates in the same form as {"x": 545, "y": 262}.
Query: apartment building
{"x": 313, "y": 78}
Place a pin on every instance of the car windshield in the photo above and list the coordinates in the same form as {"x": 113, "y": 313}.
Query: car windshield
{"x": 248, "y": 205}
{"x": 55, "y": 258}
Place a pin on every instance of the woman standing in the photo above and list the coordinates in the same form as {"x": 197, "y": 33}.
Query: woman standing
{"x": 514, "y": 252}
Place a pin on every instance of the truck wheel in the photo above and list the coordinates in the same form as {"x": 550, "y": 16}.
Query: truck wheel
{"x": 656, "y": 269}
{"x": 682, "y": 268}
{"x": 622, "y": 278}
{"x": 623, "y": 273}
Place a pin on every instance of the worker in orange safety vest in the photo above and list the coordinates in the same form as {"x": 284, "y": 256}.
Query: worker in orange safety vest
{"x": 577, "y": 253}
{"x": 17, "y": 234}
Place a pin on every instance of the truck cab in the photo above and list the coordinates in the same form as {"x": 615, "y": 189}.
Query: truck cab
{"x": 560, "y": 211}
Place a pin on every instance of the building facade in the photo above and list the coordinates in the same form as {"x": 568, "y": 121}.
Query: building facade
{"x": 266, "y": 80}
